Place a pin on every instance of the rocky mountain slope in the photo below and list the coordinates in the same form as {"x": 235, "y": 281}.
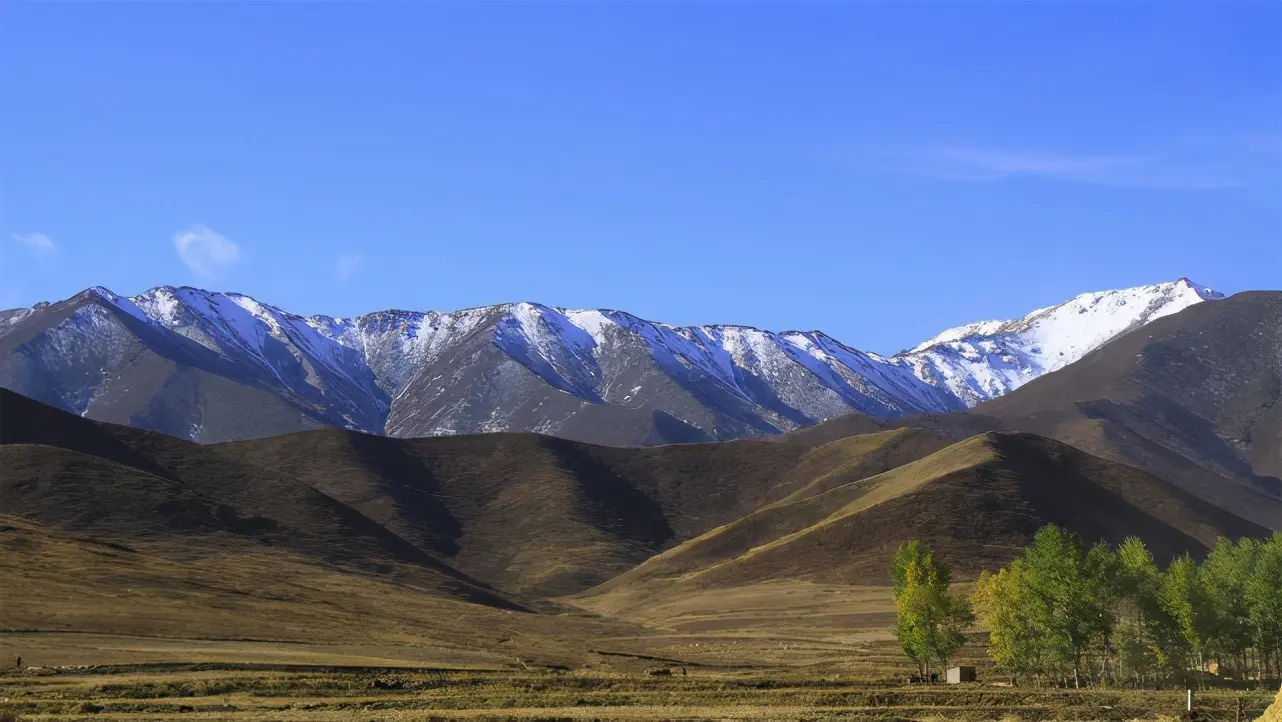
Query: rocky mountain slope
{"x": 1194, "y": 398}
{"x": 214, "y": 367}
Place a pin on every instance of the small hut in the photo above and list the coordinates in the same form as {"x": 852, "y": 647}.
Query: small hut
{"x": 957, "y": 675}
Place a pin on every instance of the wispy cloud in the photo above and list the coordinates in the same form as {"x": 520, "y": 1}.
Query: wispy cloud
{"x": 348, "y": 264}
{"x": 205, "y": 251}
{"x": 1185, "y": 166}
{"x": 37, "y": 242}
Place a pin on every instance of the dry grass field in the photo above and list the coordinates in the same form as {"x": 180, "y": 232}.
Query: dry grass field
{"x": 229, "y": 692}
{"x": 773, "y": 651}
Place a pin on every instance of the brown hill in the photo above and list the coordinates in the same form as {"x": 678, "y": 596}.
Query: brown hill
{"x": 63, "y": 591}
{"x": 544, "y": 516}
{"x": 531, "y": 515}
{"x": 124, "y": 485}
{"x": 1195, "y": 398}
{"x": 536, "y": 517}
{"x": 976, "y": 502}
{"x": 439, "y": 549}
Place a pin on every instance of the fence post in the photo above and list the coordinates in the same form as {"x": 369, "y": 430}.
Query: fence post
{"x": 1190, "y": 699}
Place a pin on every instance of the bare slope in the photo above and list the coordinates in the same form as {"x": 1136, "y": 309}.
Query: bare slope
{"x": 434, "y": 549}
{"x": 1195, "y": 398}
{"x": 977, "y": 503}
{"x": 168, "y": 599}
{"x": 530, "y": 515}
{"x": 539, "y": 515}
{"x": 125, "y": 485}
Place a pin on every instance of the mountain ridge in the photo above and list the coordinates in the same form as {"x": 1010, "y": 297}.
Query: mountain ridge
{"x": 1194, "y": 398}
{"x": 596, "y": 375}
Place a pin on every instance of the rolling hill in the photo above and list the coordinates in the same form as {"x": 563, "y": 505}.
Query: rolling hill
{"x": 511, "y": 519}
{"x": 505, "y": 549}
{"x": 544, "y": 516}
{"x": 530, "y": 515}
{"x": 122, "y": 485}
{"x": 976, "y": 503}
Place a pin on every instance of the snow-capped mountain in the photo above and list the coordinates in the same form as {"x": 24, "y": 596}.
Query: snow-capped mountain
{"x": 220, "y": 366}
{"x": 984, "y": 360}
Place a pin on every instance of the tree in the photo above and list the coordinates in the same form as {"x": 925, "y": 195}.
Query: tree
{"x": 930, "y": 622}
{"x": 1263, "y": 591}
{"x": 1183, "y": 597}
{"x": 1001, "y": 604}
{"x": 1058, "y": 608}
{"x": 1225, "y": 573}
{"x": 1133, "y": 640}
{"x": 905, "y": 554}
{"x": 1071, "y": 595}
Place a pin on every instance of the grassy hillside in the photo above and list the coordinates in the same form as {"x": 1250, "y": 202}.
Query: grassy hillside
{"x": 123, "y": 485}
{"x": 262, "y": 601}
{"x": 976, "y": 502}
{"x": 540, "y": 516}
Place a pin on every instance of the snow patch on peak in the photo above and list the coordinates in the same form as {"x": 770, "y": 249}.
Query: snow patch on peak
{"x": 595, "y": 323}
{"x": 546, "y": 342}
{"x": 980, "y": 328}
{"x": 161, "y": 304}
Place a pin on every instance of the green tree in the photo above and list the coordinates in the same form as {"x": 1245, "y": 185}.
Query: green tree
{"x": 930, "y": 620}
{"x": 1225, "y": 573}
{"x": 1057, "y": 608}
{"x": 1134, "y": 642}
{"x": 1183, "y": 597}
{"x": 1263, "y": 591}
{"x": 1072, "y": 595}
{"x": 905, "y": 554}
{"x": 1002, "y": 606}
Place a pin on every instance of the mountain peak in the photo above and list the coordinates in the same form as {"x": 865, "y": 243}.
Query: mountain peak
{"x": 1206, "y": 293}
{"x": 529, "y": 366}
{"x": 980, "y": 361}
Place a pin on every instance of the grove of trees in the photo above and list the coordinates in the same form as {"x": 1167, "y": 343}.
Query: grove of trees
{"x": 1065, "y": 614}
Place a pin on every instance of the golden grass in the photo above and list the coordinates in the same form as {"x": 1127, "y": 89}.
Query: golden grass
{"x": 883, "y": 487}
{"x": 61, "y": 584}
{"x": 1274, "y": 712}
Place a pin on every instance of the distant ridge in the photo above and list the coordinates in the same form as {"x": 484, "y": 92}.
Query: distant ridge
{"x": 193, "y": 363}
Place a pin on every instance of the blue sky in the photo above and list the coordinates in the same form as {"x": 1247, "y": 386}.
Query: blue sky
{"x": 878, "y": 171}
